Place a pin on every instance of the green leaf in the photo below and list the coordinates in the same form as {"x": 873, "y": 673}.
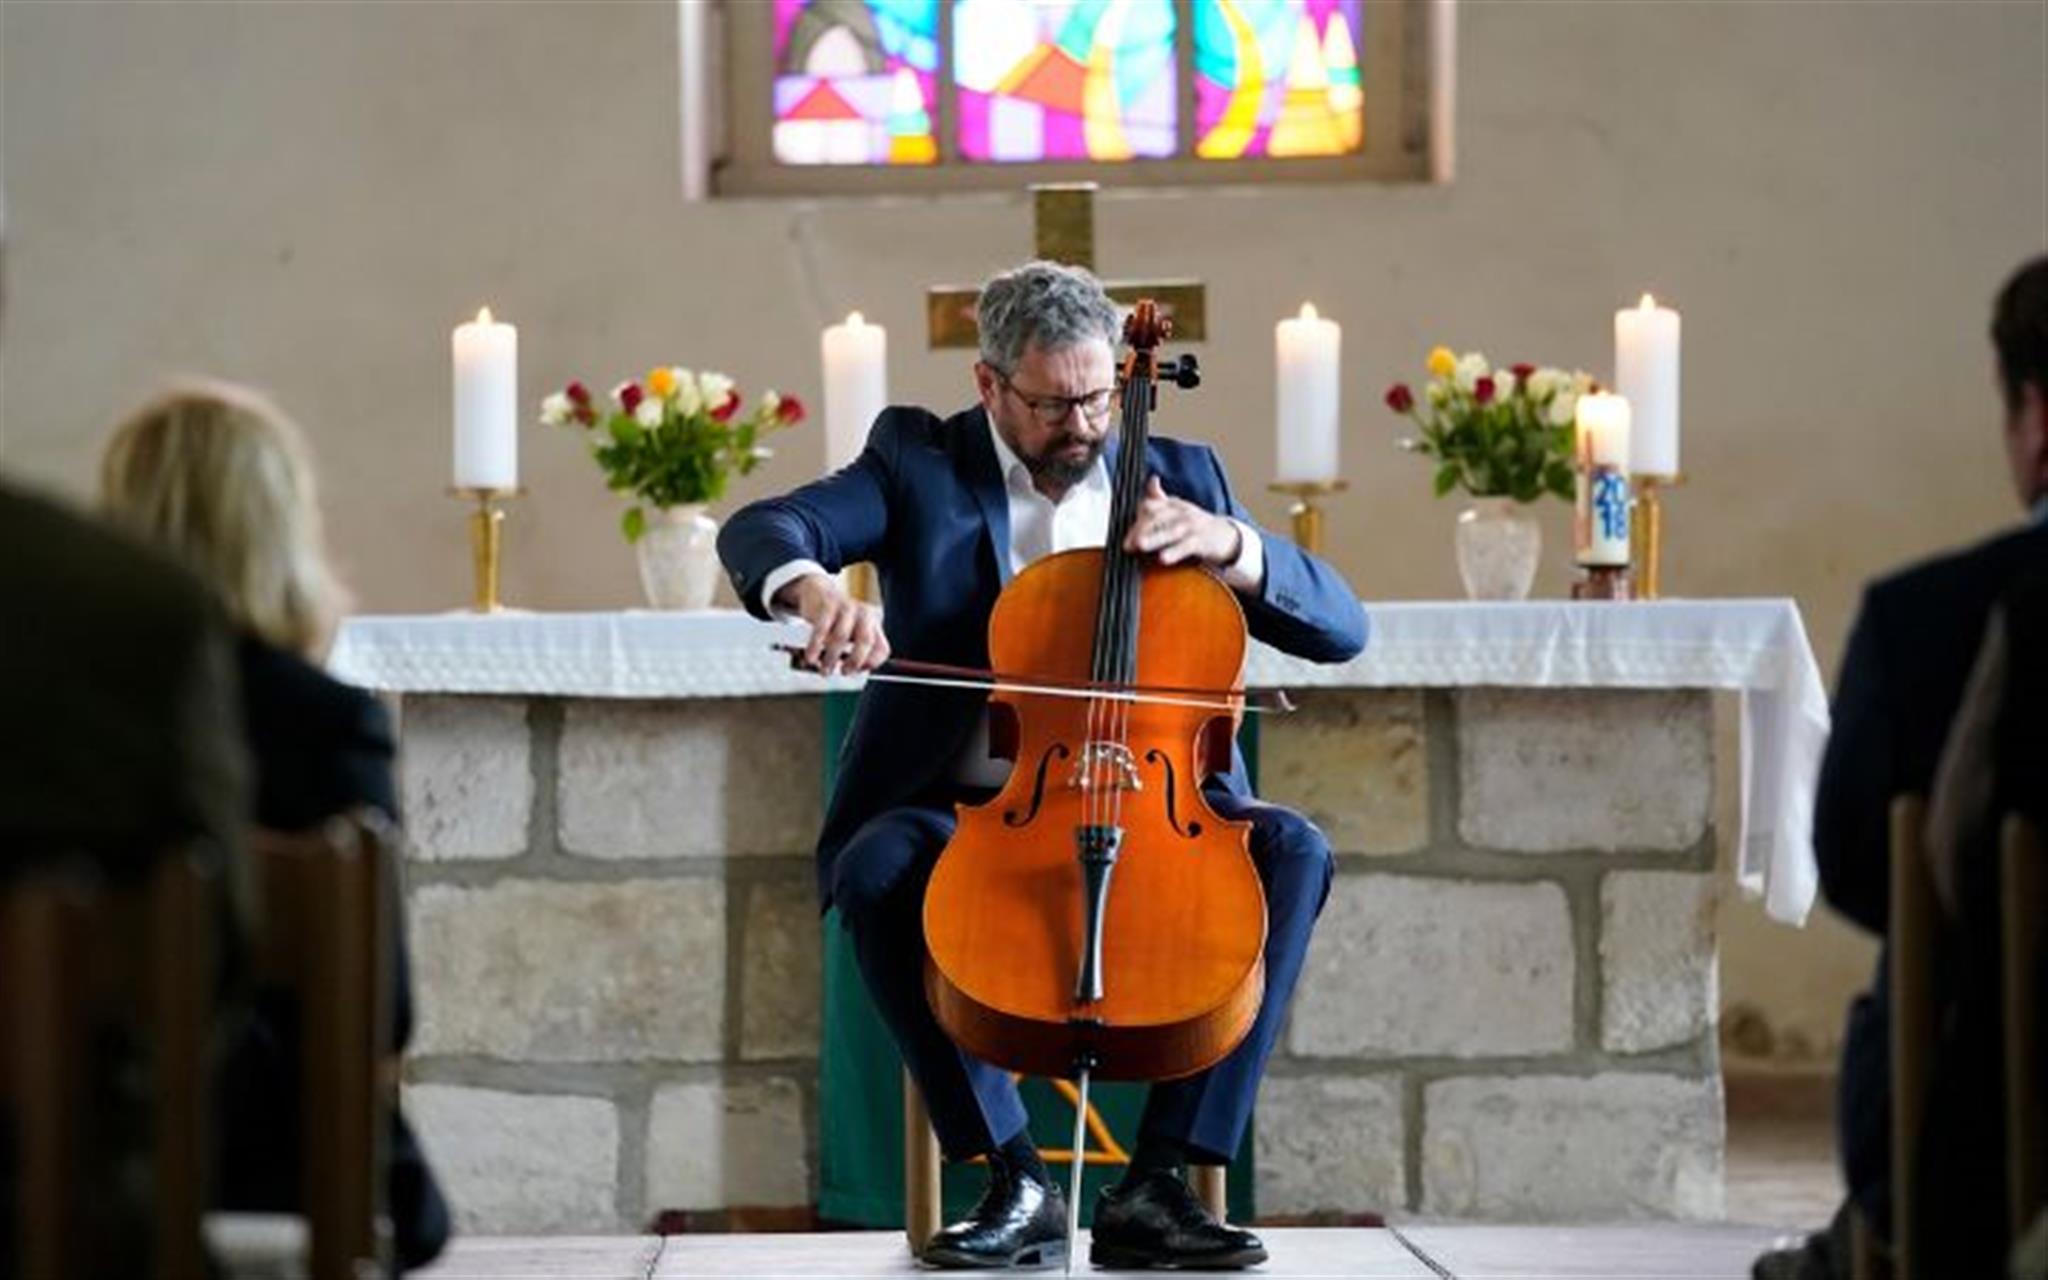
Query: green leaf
{"x": 626, "y": 431}
{"x": 633, "y": 524}
{"x": 1446, "y": 478}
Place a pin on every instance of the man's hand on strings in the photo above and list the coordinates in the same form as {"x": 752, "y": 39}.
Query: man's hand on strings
{"x": 846, "y": 634}
{"x": 1174, "y": 531}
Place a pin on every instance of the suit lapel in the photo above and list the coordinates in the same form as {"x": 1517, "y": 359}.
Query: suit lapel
{"x": 985, "y": 478}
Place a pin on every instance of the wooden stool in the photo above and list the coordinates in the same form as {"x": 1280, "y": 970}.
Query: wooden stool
{"x": 921, "y": 1169}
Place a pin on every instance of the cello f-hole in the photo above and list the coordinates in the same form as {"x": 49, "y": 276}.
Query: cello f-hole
{"x": 1165, "y": 763}
{"x": 1057, "y": 751}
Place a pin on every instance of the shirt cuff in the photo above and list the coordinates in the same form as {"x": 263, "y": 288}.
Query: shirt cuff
{"x": 778, "y": 578}
{"x": 1247, "y": 573}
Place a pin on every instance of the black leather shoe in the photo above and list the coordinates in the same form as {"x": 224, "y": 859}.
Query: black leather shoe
{"x": 1020, "y": 1223}
{"x": 1159, "y": 1223}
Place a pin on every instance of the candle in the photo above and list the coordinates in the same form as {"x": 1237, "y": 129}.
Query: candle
{"x": 1305, "y": 349}
{"x": 1600, "y": 523}
{"x": 856, "y": 356}
{"x": 1646, "y": 371}
{"x": 486, "y": 404}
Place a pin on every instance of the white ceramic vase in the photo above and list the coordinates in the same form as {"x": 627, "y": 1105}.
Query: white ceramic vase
{"x": 679, "y": 557}
{"x": 1499, "y": 544}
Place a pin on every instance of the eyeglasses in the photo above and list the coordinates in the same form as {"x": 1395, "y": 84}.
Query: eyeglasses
{"x": 1053, "y": 410}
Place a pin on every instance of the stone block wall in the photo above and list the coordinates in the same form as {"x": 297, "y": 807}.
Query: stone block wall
{"x": 616, "y": 955}
{"x": 1509, "y": 1007}
{"x": 1508, "y": 1010}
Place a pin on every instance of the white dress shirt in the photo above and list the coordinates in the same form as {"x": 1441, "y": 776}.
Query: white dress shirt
{"x": 1039, "y": 526}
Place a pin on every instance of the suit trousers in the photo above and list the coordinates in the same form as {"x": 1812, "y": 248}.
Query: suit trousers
{"x": 879, "y": 881}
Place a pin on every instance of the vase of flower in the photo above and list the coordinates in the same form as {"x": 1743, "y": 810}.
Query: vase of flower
{"x": 678, "y": 550}
{"x": 1505, "y": 437}
{"x": 672, "y": 442}
{"x": 1498, "y": 546}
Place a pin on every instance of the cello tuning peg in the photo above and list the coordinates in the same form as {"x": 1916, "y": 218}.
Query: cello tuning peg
{"x": 1183, "y": 372}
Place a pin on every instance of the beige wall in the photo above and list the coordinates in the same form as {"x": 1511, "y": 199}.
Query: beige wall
{"x": 308, "y": 197}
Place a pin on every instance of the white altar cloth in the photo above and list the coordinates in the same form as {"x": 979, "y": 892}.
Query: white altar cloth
{"x": 1756, "y": 648}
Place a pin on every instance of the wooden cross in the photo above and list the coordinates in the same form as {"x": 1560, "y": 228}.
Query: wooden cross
{"x": 1064, "y": 217}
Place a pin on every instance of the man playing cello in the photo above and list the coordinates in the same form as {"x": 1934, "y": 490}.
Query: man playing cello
{"x": 948, "y": 510}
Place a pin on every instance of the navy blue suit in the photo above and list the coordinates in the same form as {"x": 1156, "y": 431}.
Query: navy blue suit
{"x": 925, "y": 503}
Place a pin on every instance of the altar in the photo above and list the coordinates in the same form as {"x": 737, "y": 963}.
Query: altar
{"x": 1508, "y": 1012}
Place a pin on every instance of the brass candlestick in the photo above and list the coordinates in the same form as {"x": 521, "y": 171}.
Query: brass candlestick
{"x": 1307, "y": 516}
{"x": 486, "y": 541}
{"x": 1648, "y": 533}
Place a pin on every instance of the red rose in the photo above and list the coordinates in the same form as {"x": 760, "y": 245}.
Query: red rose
{"x": 1399, "y": 398}
{"x": 578, "y": 393}
{"x": 630, "y": 396}
{"x": 1482, "y": 391}
{"x": 789, "y": 410}
{"x": 726, "y": 408}
{"x": 1522, "y": 372}
{"x": 584, "y": 414}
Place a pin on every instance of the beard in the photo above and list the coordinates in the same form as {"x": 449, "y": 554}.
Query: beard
{"x": 1061, "y": 467}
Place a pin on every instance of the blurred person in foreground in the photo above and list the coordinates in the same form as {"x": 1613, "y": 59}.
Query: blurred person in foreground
{"x": 218, "y": 477}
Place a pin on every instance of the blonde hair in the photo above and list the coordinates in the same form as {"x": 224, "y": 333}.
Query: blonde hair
{"x": 215, "y": 474}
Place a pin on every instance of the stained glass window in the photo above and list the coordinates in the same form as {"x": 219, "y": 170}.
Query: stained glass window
{"x": 856, "y": 81}
{"x": 1040, "y": 80}
{"x": 875, "y": 96}
{"x": 1277, "y": 78}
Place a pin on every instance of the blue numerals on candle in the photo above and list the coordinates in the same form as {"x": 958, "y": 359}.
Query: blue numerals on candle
{"x": 1610, "y": 505}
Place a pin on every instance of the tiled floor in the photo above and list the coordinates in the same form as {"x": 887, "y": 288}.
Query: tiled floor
{"x": 1657, "y": 1252}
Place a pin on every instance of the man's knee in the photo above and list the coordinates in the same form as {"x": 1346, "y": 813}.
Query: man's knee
{"x": 1293, "y": 852}
{"x": 880, "y": 873}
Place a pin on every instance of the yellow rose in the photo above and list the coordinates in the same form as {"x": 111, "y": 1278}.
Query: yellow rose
{"x": 1442, "y": 363}
{"x": 661, "y": 383}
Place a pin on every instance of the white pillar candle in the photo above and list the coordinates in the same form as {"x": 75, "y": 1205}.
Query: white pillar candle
{"x": 1646, "y": 371}
{"x": 1602, "y": 514}
{"x": 486, "y": 404}
{"x": 856, "y": 356}
{"x": 1305, "y": 350}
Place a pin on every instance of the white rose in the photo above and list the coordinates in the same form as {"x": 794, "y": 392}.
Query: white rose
{"x": 716, "y": 387}
{"x": 1562, "y": 406}
{"x": 555, "y": 410}
{"x": 649, "y": 413}
{"x": 1437, "y": 394}
{"x": 1504, "y": 384}
{"x": 1471, "y": 368}
{"x": 770, "y": 402}
{"x": 689, "y": 395}
{"x": 1543, "y": 382}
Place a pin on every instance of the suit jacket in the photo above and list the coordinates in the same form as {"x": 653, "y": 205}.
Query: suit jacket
{"x": 925, "y": 503}
{"x": 1902, "y": 678}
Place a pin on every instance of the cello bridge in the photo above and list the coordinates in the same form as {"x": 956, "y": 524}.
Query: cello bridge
{"x": 1106, "y": 766}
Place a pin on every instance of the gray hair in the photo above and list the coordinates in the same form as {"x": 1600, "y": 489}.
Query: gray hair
{"x": 1046, "y": 303}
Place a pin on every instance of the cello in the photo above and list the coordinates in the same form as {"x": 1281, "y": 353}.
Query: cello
{"x": 1096, "y": 917}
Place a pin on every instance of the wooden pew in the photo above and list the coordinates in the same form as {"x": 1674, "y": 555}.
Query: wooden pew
{"x": 2023, "y": 894}
{"x": 327, "y": 901}
{"x": 82, "y": 959}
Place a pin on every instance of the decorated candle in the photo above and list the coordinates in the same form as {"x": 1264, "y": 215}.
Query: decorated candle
{"x": 1600, "y": 523}
{"x": 1305, "y": 350}
{"x": 486, "y": 354}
